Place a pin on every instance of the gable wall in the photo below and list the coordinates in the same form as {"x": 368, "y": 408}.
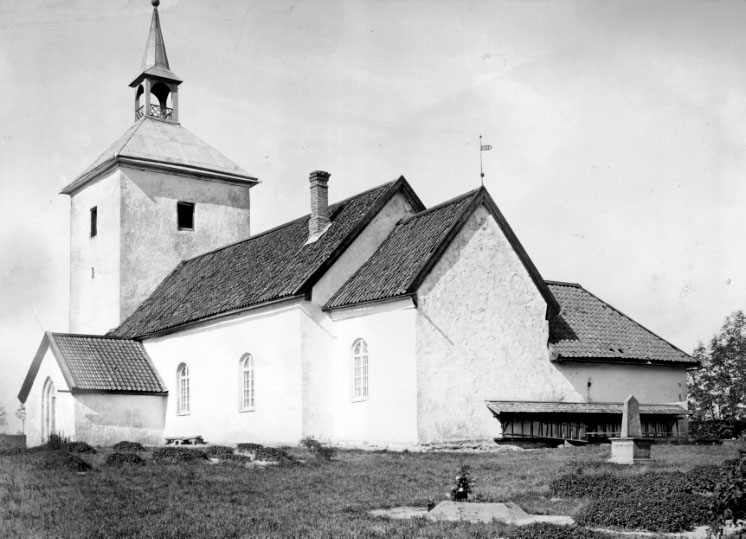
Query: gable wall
{"x": 213, "y": 353}
{"x": 362, "y": 248}
{"x": 152, "y": 244}
{"x": 65, "y": 406}
{"x": 481, "y": 334}
{"x": 94, "y": 300}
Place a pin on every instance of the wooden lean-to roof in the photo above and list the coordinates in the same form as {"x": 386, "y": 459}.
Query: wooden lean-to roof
{"x": 274, "y": 265}
{"x": 94, "y": 364}
{"x": 589, "y": 329}
{"x": 536, "y": 407}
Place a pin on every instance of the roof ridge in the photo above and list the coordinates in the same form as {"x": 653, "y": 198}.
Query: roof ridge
{"x": 90, "y": 336}
{"x": 563, "y": 283}
{"x": 441, "y": 205}
{"x": 285, "y": 224}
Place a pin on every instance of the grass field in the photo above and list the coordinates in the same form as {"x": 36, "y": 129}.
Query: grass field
{"x": 317, "y": 499}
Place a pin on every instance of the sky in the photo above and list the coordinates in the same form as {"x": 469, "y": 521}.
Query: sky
{"x": 617, "y": 128}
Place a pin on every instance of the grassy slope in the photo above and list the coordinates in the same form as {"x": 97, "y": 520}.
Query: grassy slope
{"x": 320, "y": 499}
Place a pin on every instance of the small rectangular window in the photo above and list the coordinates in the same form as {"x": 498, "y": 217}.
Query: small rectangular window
{"x": 185, "y": 215}
{"x": 94, "y": 221}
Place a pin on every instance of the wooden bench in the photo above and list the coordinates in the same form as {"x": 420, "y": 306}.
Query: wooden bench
{"x": 185, "y": 440}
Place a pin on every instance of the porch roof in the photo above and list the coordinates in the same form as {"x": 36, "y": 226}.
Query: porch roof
{"x": 540, "y": 407}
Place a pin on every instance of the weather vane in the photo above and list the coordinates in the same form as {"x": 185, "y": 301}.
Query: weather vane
{"x": 482, "y": 148}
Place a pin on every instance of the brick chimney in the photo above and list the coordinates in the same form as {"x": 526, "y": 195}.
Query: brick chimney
{"x": 319, "y": 220}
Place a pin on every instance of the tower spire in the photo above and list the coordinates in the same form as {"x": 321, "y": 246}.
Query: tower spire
{"x": 156, "y": 82}
{"x": 155, "y": 50}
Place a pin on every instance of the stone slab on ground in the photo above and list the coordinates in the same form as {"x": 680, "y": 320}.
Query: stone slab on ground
{"x": 699, "y": 532}
{"x": 509, "y": 513}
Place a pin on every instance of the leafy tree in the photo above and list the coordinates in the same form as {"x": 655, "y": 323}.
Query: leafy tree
{"x": 718, "y": 390}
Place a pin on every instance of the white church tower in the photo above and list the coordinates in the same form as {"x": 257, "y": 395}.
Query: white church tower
{"x": 157, "y": 196}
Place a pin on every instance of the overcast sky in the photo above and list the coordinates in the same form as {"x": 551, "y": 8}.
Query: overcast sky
{"x": 618, "y": 131}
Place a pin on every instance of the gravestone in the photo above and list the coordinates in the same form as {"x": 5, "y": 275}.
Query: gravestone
{"x": 630, "y": 447}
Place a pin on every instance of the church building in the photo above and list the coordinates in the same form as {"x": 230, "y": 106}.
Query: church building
{"x": 372, "y": 320}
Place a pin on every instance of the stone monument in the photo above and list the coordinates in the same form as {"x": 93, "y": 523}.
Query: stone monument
{"x": 630, "y": 447}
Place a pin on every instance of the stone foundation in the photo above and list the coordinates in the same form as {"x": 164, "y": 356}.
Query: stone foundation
{"x": 630, "y": 450}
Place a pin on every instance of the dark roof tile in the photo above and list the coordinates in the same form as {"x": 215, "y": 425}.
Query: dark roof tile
{"x": 589, "y": 328}
{"x": 273, "y": 265}
{"x": 392, "y": 269}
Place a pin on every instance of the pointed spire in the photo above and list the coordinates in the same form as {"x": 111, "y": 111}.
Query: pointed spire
{"x": 155, "y": 50}
{"x": 155, "y": 60}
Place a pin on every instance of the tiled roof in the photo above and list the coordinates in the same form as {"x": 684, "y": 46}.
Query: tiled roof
{"x": 273, "y": 265}
{"x": 589, "y": 328}
{"x": 403, "y": 254}
{"x": 98, "y": 364}
{"x": 156, "y": 141}
{"x": 414, "y": 246}
{"x": 529, "y": 407}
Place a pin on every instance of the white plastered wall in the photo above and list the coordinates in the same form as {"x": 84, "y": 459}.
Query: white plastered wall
{"x": 389, "y": 414}
{"x": 153, "y": 245}
{"x": 212, "y": 352}
{"x": 650, "y": 384}
{"x": 481, "y": 335}
{"x": 64, "y": 403}
{"x": 94, "y": 261}
{"x": 108, "y": 418}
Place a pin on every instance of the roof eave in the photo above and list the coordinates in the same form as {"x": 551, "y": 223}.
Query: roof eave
{"x": 152, "y": 164}
{"x": 84, "y": 391}
{"x": 625, "y": 361}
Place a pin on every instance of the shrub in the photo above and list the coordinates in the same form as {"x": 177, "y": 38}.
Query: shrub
{"x": 545, "y": 530}
{"x": 318, "y": 449}
{"x": 716, "y": 429}
{"x": 219, "y": 451}
{"x": 272, "y": 454}
{"x": 50, "y": 460}
{"x": 703, "y": 478}
{"x": 673, "y": 513}
{"x": 174, "y": 455}
{"x": 124, "y": 459}
{"x": 57, "y": 442}
{"x": 250, "y": 447}
{"x": 128, "y": 446}
{"x": 461, "y": 491}
{"x": 79, "y": 447}
{"x": 729, "y": 498}
{"x": 241, "y": 460}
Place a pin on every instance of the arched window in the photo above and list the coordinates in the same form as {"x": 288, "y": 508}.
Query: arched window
{"x": 48, "y": 407}
{"x": 182, "y": 393}
{"x": 247, "y": 382}
{"x": 360, "y": 370}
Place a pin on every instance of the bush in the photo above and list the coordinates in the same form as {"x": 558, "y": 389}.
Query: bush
{"x": 250, "y": 447}
{"x": 716, "y": 429}
{"x": 272, "y": 454}
{"x": 219, "y": 451}
{"x": 674, "y": 513}
{"x": 241, "y": 460}
{"x": 57, "y": 442}
{"x": 729, "y": 497}
{"x": 703, "y": 478}
{"x": 128, "y": 447}
{"x": 174, "y": 455}
{"x": 318, "y": 449}
{"x": 79, "y": 447}
{"x": 545, "y": 530}
{"x": 55, "y": 460}
{"x": 124, "y": 459}
{"x": 654, "y": 484}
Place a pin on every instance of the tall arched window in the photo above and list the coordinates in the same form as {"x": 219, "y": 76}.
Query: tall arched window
{"x": 48, "y": 407}
{"x": 247, "y": 382}
{"x": 360, "y": 370}
{"x": 182, "y": 393}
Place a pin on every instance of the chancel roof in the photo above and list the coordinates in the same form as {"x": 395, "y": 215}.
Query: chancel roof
{"x": 415, "y": 245}
{"x": 276, "y": 264}
{"x": 98, "y": 365}
{"x": 588, "y": 328}
{"x": 160, "y": 143}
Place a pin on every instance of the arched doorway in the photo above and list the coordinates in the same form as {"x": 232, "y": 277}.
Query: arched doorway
{"x": 48, "y": 410}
